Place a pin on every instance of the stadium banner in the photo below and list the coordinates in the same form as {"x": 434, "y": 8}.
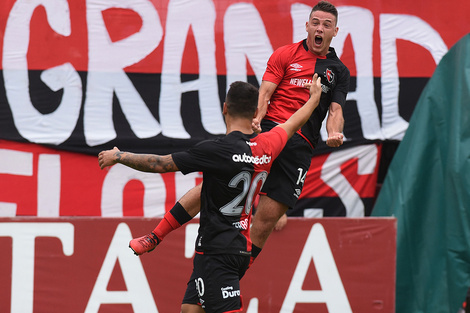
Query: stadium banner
{"x": 341, "y": 183}
{"x": 83, "y": 264}
{"x": 152, "y": 75}
{"x": 45, "y": 182}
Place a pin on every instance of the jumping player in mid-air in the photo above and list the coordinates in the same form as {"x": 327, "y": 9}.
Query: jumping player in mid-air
{"x": 280, "y": 94}
{"x": 234, "y": 169}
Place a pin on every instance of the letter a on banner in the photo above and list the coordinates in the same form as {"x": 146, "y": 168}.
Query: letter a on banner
{"x": 138, "y": 290}
{"x": 332, "y": 292}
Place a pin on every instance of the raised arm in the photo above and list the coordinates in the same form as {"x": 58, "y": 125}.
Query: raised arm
{"x": 266, "y": 90}
{"x": 141, "y": 162}
{"x": 301, "y": 116}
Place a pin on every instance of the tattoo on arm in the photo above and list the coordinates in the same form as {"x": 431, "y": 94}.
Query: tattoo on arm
{"x": 147, "y": 162}
{"x": 118, "y": 156}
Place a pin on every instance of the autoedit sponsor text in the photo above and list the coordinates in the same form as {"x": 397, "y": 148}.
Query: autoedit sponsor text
{"x": 264, "y": 159}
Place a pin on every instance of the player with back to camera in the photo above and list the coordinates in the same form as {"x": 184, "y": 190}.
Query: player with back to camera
{"x": 234, "y": 169}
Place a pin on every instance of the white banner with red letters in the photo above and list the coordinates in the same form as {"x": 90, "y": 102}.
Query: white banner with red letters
{"x": 152, "y": 75}
{"x": 83, "y": 264}
{"x": 45, "y": 182}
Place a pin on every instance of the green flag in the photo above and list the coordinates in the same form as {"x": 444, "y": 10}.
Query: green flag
{"x": 427, "y": 188}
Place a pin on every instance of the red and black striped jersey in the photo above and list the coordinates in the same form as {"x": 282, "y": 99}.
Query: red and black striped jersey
{"x": 234, "y": 168}
{"x": 290, "y": 67}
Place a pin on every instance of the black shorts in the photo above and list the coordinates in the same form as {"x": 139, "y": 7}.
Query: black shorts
{"x": 215, "y": 282}
{"x": 286, "y": 179}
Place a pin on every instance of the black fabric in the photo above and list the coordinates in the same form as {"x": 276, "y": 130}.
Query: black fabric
{"x": 286, "y": 180}
{"x": 255, "y": 251}
{"x": 180, "y": 214}
{"x": 215, "y": 282}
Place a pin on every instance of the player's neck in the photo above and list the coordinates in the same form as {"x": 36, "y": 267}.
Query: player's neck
{"x": 238, "y": 124}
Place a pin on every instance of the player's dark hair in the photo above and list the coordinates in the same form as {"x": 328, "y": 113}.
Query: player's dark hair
{"x": 242, "y": 99}
{"x": 325, "y": 6}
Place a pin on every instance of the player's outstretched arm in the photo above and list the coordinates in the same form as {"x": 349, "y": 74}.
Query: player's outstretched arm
{"x": 141, "y": 162}
{"x": 301, "y": 116}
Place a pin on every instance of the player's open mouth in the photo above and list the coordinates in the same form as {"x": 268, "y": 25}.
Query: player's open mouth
{"x": 318, "y": 40}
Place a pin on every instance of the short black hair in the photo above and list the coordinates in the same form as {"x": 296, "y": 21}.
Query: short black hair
{"x": 242, "y": 99}
{"x": 325, "y": 6}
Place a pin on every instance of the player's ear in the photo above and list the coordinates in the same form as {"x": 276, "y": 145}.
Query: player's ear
{"x": 224, "y": 109}
{"x": 336, "y": 31}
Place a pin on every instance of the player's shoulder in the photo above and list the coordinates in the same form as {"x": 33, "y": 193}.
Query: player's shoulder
{"x": 272, "y": 133}
{"x": 333, "y": 57}
{"x": 211, "y": 144}
{"x": 271, "y": 142}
